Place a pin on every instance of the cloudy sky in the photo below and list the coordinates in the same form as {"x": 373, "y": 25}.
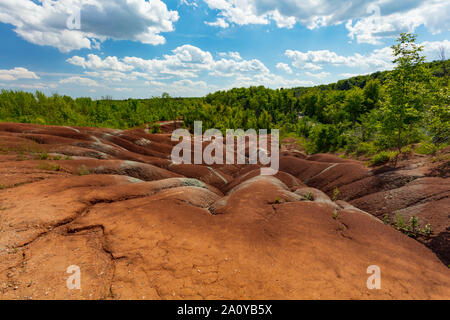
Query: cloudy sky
{"x": 141, "y": 48}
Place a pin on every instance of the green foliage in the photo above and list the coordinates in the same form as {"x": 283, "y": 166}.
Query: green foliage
{"x": 156, "y": 128}
{"x": 18, "y": 106}
{"x": 406, "y": 90}
{"x": 43, "y": 156}
{"x": 426, "y": 148}
{"x": 382, "y": 158}
{"x": 412, "y": 228}
{"x": 49, "y": 167}
{"x": 83, "y": 171}
{"x": 368, "y": 148}
{"x": 399, "y": 222}
{"x": 354, "y": 104}
{"x": 336, "y": 193}
{"x": 407, "y": 150}
{"x": 323, "y": 138}
{"x": 335, "y": 215}
{"x": 439, "y": 123}
{"x": 278, "y": 200}
{"x": 308, "y": 196}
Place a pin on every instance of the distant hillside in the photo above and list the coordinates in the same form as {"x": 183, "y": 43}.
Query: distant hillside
{"x": 436, "y": 68}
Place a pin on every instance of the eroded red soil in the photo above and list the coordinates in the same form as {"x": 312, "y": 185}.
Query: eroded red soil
{"x": 141, "y": 227}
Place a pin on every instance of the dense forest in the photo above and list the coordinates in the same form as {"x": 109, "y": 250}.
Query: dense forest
{"x": 376, "y": 115}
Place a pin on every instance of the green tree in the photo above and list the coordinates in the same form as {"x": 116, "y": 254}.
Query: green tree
{"x": 402, "y": 111}
{"x": 372, "y": 94}
{"x": 354, "y": 104}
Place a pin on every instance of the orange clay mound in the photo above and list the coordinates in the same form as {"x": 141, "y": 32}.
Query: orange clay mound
{"x": 140, "y": 227}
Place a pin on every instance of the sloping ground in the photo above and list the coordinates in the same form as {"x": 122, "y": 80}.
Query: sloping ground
{"x": 140, "y": 227}
{"x": 417, "y": 188}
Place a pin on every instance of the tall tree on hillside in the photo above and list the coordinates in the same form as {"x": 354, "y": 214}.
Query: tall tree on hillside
{"x": 406, "y": 88}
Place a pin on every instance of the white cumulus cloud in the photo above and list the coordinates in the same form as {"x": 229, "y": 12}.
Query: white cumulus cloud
{"x": 314, "y": 60}
{"x": 46, "y": 22}
{"x": 79, "y": 81}
{"x": 367, "y": 20}
{"x": 95, "y": 62}
{"x": 186, "y": 61}
{"x": 378, "y": 59}
{"x": 17, "y": 73}
{"x": 284, "y": 67}
{"x": 220, "y": 22}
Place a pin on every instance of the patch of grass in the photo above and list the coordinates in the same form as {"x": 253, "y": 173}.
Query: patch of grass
{"x": 308, "y": 196}
{"x": 335, "y": 215}
{"x": 83, "y": 171}
{"x": 441, "y": 157}
{"x": 336, "y": 194}
{"x": 49, "y": 167}
{"x": 426, "y": 148}
{"x": 46, "y": 156}
{"x": 156, "y": 128}
{"x": 43, "y": 156}
{"x": 407, "y": 150}
{"x": 382, "y": 158}
{"x": 9, "y": 186}
{"x": 67, "y": 158}
{"x": 412, "y": 229}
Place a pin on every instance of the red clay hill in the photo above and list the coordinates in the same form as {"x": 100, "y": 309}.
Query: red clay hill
{"x": 141, "y": 227}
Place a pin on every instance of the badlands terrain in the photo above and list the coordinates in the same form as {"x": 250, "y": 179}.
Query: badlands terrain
{"x": 140, "y": 227}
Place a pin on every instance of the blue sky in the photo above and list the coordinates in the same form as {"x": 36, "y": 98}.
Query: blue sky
{"x": 138, "y": 48}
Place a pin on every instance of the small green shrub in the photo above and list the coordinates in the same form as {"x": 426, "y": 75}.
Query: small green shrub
{"x": 49, "y": 167}
{"x": 335, "y": 215}
{"x": 407, "y": 150}
{"x": 156, "y": 128}
{"x": 308, "y": 196}
{"x": 382, "y": 158}
{"x": 278, "y": 200}
{"x": 426, "y": 148}
{"x": 412, "y": 229}
{"x": 428, "y": 230}
{"x": 367, "y": 148}
{"x": 399, "y": 222}
{"x": 43, "y": 156}
{"x": 336, "y": 194}
{"x": 83, "y": 171}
